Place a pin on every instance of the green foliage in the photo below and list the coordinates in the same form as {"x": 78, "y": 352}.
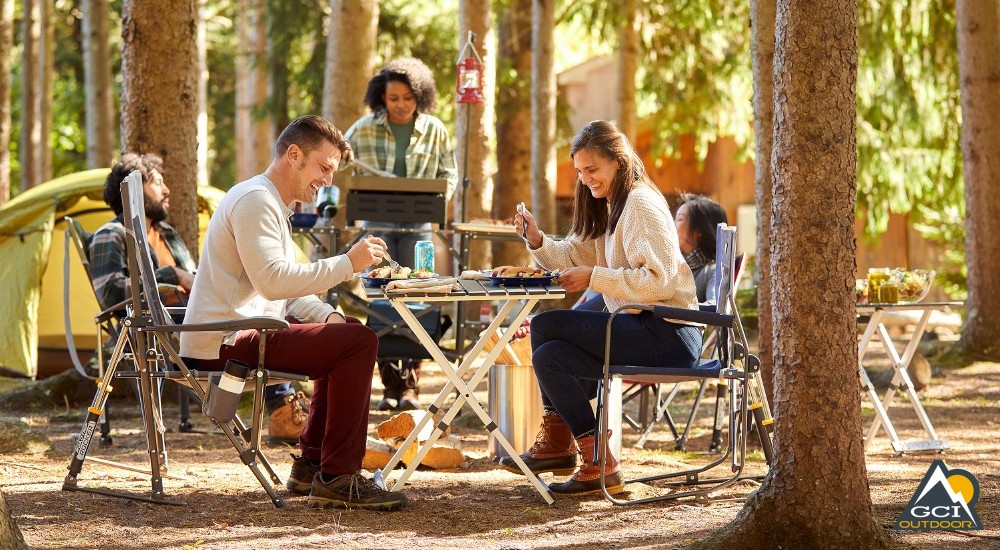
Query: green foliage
{"x": 909, "y": 151}
{"x": 946, "y": 225}
{"x": 429, "y": 32}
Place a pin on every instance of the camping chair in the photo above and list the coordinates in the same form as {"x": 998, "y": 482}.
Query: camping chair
{"x": 146, "y": 341}
{"x": 106, "y": 322}
{"x": 663, "y": 399}
{"x": 732, "y": 363}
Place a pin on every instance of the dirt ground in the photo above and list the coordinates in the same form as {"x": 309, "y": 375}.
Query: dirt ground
{"x": 478, "y": 505}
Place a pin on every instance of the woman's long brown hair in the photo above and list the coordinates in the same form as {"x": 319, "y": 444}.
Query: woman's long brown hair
{"x": 594, "y": 217}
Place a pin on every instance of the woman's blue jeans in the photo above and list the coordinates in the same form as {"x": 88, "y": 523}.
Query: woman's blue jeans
{"x": 568, "y": 355}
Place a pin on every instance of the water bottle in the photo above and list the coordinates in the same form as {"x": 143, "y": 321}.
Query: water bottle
{"x": 224, "y": 396}
{"x": 423, "y": 256}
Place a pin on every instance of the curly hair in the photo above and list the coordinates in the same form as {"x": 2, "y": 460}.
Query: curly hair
{"x": 128, "y": 162}
{"x": 410, "y": 71}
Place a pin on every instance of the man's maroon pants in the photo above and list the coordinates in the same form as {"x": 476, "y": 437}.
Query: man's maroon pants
{"x": 340, "y": 360}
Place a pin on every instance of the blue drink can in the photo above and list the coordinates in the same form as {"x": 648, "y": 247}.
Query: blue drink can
{"x": 423, "y": 256}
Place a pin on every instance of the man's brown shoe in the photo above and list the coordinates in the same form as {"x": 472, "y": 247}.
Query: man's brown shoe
{"x": 301, "y": 478}
{"x": 352, "y": 491}
{"x": 286, "y": 422}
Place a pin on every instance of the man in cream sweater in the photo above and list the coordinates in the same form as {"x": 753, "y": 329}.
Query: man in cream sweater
{"x": 248, "y": 268}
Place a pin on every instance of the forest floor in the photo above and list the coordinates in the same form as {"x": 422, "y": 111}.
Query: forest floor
{"x": 478, "y": 505}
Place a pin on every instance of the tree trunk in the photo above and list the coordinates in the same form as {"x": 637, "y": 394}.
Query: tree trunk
{"x": 6, "y": 42}
{"x": 762, "y": 58}
{"x": 10, "y": 535}
{"x": 201, "y": 43}
{"x": 816, "y": 494}
{"x": 278, "y": 48}
{"x": 97, "y": 84}
{"x": 31, "y": 130}
{"x": 978, "y": 50}
{"x": 628, "y": 62}
{"x": 46, "y": 66}
{"x": 160, "y": 98}
{"x": 350, "y": 59}
{"x": 253, "y": 139}
{"x": 543, "y": 115}
{"x": 513, "y": 180}
{"x": 475, "y": 124}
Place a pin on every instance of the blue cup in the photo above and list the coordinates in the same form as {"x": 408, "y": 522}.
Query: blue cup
{"x": 423, "y": 256}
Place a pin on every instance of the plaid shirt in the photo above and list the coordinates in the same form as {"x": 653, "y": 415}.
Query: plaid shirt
{"x": 429, "y": 155}
{"x": 109, "y": 266}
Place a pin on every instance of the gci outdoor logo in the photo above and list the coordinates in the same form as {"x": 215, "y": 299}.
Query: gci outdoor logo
{"x": 946, "y": 499}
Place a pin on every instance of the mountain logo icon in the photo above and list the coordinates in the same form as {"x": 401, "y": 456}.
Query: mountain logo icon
{"x": 945, "y": 499}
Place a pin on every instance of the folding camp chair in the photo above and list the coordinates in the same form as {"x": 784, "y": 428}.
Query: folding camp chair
{"x": 732, "y": 363}
{"x": 146, "y": 341}
{"x": 106, "y": 322}
{"x": 663, "y": 399}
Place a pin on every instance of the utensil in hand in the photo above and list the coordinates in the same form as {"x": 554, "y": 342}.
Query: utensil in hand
{"x": 393, "y": 264}
{"x": 524, "y": 223}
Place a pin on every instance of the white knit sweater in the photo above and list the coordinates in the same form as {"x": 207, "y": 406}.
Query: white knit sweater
{"x": 641, "y": 262}
{"x": 248, "y": 268}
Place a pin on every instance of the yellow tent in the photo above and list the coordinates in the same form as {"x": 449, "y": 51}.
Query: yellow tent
{"x": 32, "y": 236}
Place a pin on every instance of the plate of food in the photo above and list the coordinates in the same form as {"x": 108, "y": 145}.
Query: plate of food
{"x": 913, "y": 285}
{"x": 519, "y": 276}
{"x": 381, "y": 276}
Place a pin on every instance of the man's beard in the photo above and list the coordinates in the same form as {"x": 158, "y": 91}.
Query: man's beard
{"x": 156, "y": 212}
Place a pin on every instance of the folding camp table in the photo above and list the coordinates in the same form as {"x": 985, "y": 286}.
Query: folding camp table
{"x": 515, "y": 303}
{"x": 900, "y": 379}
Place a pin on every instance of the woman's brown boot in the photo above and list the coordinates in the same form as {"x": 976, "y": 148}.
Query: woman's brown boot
{"x": 587, "y": 480}
{"x": 554, "y": 450}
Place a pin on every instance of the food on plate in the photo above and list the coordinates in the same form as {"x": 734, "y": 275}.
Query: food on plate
{"x": 488, "y": 221}
{"x": 861, "y": 291}
{"x": 518, "y": 271}
{"x": 386, "y": 272}
{"x": 422, "y": 274}
{"x": 913, "y": 285}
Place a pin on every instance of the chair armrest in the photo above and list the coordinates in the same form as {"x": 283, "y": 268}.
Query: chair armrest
{"x": 251, "y": 323}
{"x": 694, "y": 316}
{"x": 112, "y": 311}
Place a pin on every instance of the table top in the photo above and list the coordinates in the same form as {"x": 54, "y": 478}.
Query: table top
{"x": 484, "y": 228}
{"x": 905, "y": 307}
{"x": 473, "y": 290}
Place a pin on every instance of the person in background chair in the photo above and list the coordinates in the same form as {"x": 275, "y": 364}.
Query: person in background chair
{"x": 696, "y": 220}
{"x": 174, "y": 265}
{"x": 248, "y": 268}
{"x": 400, "y": 137}
{"x": 623, "y": 245}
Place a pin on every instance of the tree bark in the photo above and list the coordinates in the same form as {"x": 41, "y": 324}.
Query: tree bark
{"x": 475, "y": 124}
{"x": 543, "y": 115}
{"x": 6, "y": 42}
{"x": 201, "y": 43}
{"x": 628, "y": 62}
{"x": 978, "y": 50}
{"x": 816, "y": 493}
{"x": 46, "y": 66}
{"x": 253, "y": 139}
{"x": 160, "y": 98}
{"x": 10, "y": 535}
{"x": 513, "y": 180}
{"x": 31, "y": 129}
{"x": 350, "y": 59}
{"x": 100, "y": 116}
{"x": 762, "y": 14}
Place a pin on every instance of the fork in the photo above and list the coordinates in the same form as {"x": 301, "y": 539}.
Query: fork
{"x": 393, "y": 264}
{"x": 524, "y": 224}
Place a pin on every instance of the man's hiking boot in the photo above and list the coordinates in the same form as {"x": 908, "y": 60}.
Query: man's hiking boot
{"x": 352, "y": 491}
{"x": 301, "y": 478}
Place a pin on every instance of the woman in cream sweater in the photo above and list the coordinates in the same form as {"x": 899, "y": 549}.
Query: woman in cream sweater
{"x": 623, "y": 244}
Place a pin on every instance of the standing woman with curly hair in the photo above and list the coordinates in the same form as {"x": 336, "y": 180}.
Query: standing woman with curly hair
{"x": 399, "y": 137}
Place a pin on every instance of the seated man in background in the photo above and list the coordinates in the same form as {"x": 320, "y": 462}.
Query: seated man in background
{"x": 174, "y": 265}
